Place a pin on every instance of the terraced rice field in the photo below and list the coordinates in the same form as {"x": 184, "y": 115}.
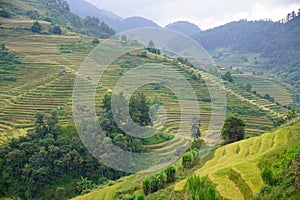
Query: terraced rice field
{"x": 264, "y": 86}
{"x": 234, "y": 169}
{"x": 40, "y": 87}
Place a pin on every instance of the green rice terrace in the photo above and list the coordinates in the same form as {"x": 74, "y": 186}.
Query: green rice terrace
{"x": 43, "y": 46}
{"x": 43, "y": 87}
{"x": 235, "y": 169}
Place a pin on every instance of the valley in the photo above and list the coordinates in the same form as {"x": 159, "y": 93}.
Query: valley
{"x": 42, "y": 156}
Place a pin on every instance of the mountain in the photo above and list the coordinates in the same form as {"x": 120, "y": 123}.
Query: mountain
{"x": 184, "y": 27}
{"x": 84, "y": 9}
{"x": 278, "y": 43}
{"x": 138, "y": 22}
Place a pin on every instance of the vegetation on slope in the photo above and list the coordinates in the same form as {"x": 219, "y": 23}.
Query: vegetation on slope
{"x": 236, "y": 168}
{"x": 277, "y": 42}
{"x": 48, "y": 162}
{"x": 56, "y": 12}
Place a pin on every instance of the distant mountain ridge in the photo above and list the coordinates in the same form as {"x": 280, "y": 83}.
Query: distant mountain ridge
{"x": 84, "y": 8}
{"x": 184, "y": 27}
{"x": 279, "y": 43}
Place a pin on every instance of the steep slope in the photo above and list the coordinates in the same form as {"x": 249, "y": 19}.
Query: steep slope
{"x": 55, "y": 13}
{"x": 279, "y": 43}
{"x": 184, "y": 27}
{"x": 84, "y": 8}
{"x": 235, "y": 167}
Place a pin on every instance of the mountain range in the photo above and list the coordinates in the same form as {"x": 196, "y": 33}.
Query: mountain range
{"x": 119, "y": 24}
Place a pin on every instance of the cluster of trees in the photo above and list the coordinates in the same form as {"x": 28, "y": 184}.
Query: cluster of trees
{"x": 202, "y": 188}
{"x": 47, "y": 163}
{"x": 58, "y": 13}
{"x": 151, "y": 48}
{"x": 158, "y": 181}
{"x": 9, "y": 63}
{"x": 139, "y": 107}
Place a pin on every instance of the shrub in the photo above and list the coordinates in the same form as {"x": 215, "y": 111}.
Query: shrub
{"x": 56, "y": 30}
{"x": 147, "y": 186}
{"x": 140, "y": 197}
{"x": 95, "y": 41}
{"x": 36, "y": 27}
{"x": 202, "y": 189}
{"x": 5, "y": 14}
{"x": 267, "y": 176}
{"x": 188, "y": 159}
{"x": 170, "y": 174}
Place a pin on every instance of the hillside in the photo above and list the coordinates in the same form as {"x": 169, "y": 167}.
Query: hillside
{"x": 184, "y": 27}
{"x": 239, "y": 164}
{"x": 42, "y": 48}
{"x": 277, "y": 43}
{"x": 84, "y": 8}
{"x": 235, "y": 169}
{"x": 55, "y": 13}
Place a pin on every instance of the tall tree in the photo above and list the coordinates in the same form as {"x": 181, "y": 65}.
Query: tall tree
{"x": 233, "y": 129}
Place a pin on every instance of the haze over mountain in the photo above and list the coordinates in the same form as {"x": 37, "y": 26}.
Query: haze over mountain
{"x": 184, "y": 27}
{"x": 119, "y": 24}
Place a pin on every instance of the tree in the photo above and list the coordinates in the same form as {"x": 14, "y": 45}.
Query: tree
{"x": 151, "y": 44}
{"x": 95, "y": 41}
{"x": 36, "y": 27}
{"x": 139, "y": 109}
{"x": 248, "y": 87}
{"x": 106, "y": 102}
{"x": 227, "y": 77}
{"x": 196, "y": 129}
{"x": 233, "y": 129}
{"x": 56, "y": 30}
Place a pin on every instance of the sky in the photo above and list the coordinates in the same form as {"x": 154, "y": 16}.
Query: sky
{"x": 206, "y": 14}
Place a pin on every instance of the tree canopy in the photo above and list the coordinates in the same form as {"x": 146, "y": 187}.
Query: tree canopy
{"x": 233, "y": 129}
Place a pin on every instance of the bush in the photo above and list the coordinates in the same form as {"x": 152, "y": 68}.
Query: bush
{"x": 140, "y": 197}
{"x": 56, "y": 30}
{"x": 154, "y": 183}
{"x": 170, "y": 174}
{"x": 146, "y": 186}
{"x": 188, "y": 159}
{"x": 267, "y": 176}
{"x": 95, "y": 41}
{"x": 5, "y": 14}
{"x": 36, "y": 27}
{"x": 202, "y": 189}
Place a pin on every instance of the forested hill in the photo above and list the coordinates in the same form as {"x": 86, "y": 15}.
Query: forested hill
{"x": 278, "y": 42}
{"x": 57, "y": 12}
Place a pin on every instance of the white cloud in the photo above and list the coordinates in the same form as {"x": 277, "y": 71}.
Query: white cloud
{"x": 206, "y": 14}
